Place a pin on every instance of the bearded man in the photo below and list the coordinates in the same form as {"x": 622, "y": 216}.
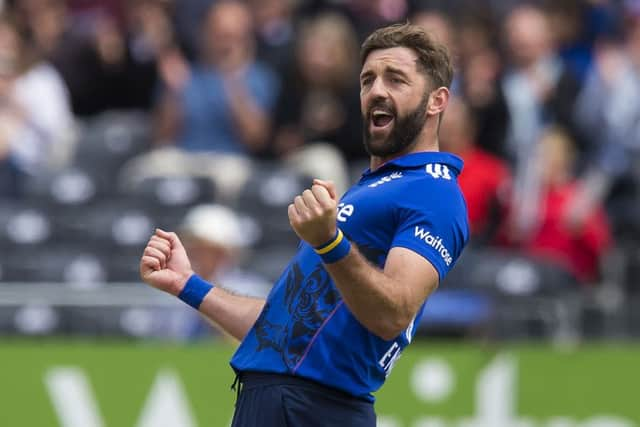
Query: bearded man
{"x": 346, "y": 306}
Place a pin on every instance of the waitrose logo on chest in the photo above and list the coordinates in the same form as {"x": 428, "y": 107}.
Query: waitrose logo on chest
{"x": 435, "y": 242}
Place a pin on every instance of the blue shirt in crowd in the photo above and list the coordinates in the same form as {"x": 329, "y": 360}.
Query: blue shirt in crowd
{"x": 208, "y": 124}
{"x": 305, "y": 328}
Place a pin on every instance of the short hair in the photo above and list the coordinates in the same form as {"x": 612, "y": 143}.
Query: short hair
{"x": 433, "y": 57}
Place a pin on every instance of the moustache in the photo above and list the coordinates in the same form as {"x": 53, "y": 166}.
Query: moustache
{"x": 380, "y": 104}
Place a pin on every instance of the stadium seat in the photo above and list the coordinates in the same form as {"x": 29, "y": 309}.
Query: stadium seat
{"x": 504, "y": 273}
{"x": 510, "y": 296}
{"x": 36, "y": 319}
{"x": 91, "y": 321}
{"x": 72, "y": 186}
{"x": 457, "y": 309}
{"x": 265, "y": 198}
{"x": 270, "y": 262}
{"x": 63, "y": 264}
{"x": 112, "y": 223}
{"x": 113, "y": 137}
{"x": 123, "y": 266}
{"x": 174, "y": 191}
{"x": 24, "y": 224}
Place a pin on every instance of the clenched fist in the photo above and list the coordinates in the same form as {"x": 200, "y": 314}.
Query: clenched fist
{"x": 164, "y": 264}
{"x": 312, "y": 214}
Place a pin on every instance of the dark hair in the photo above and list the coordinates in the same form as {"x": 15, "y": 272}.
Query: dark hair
{"x": 433, "y": 57}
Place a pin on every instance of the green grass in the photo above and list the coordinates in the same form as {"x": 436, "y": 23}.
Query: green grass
{"x": 582, "y": 383}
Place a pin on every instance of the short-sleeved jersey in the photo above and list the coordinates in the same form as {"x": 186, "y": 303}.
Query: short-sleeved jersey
{"x": 306, "y": 329}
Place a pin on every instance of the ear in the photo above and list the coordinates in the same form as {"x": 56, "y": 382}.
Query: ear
{"x": 438, "y": 101}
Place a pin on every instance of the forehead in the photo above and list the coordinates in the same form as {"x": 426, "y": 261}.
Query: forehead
{"x": 397, "y": 57}
{"x": 229, "y": 16}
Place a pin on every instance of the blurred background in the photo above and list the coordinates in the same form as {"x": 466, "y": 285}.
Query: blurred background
{"x": 207, "y": 117}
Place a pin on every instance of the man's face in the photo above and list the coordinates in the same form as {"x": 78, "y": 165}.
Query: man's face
{"x": 528, "y": 36}
{"x": 229, "y": 35}
{"x": 207, "y": 259}
{"x": 393, "y": 99}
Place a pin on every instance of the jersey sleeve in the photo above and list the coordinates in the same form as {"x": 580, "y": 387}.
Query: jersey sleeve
{"x": 437, "y": 228}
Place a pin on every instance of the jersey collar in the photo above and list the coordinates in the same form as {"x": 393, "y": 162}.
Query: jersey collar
{"x": 422, "y": 158}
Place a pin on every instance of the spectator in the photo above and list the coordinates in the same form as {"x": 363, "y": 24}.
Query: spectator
{"x": 539, "y": 91}
{"x": 213, "y": 237}
{"x": 538, "y": 88}
{"x": 480, "y": 77}
{"x": 485, "y": 177}
{"x": 577, "y": 248}
{"x": 46, "y": 23}
{"x": 613, "y": 127}
{"x": 223, "y": 104}
{"x": 215, "y": 114}
{"x": 107, "y": 54}
{"x": 480, "y": 85}
{"x": 275, "y": 31}
{"x": 440, "y": 27}
{"x": 368, "y": 15}
{"x": 215, "y": 240}
{"x": 567, "y": 23}
{"x": 319, "y": 109}
{"x": 188, "y": 20}
{"x": 477, "y": 79}
{"x": 34, "y": 135}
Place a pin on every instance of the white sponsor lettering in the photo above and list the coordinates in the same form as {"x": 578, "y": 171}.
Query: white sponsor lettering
{"x": 437, "y": 170}
{"x": 76, "y": 406}
{"x": 388, "y": 178}
{"x": 166, "y": 405}
{"x": 344, "y": 212}
{"x": 72, "y": 397}
{"x": 409, "y": 332}
{"x": 495, "y": 399}
{"x": 435, "y": 242}
{"x": 390, "y": 358}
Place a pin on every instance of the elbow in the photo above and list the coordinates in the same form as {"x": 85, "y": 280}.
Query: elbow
{"x": 258, "y": 142}
{"x": 388, "y": 335}
{"x": 255, "y": 139}
{"x": 390, "y": 328}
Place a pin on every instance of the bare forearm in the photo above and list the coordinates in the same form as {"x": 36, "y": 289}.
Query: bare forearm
{"x": 372, "y": 296}
{"x": 384, "y": 301}
{"x": 167, "y": 120}
{"x": 165, "y": 266}
{"x": 233, "y": 314}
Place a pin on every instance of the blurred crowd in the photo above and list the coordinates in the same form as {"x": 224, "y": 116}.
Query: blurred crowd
{"x": 545, "y": 109}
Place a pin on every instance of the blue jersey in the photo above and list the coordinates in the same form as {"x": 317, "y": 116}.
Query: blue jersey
{"x": 305, "y": 328}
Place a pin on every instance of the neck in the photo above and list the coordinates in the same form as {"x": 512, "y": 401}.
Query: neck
{"x": 427, "y": 140}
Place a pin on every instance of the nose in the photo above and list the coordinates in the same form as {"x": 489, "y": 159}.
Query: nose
{"x": 378, "y": 89}
{"x": 376, "y": 93}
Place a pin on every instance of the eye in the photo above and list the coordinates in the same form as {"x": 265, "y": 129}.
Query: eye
{"x": 396, "y": 80}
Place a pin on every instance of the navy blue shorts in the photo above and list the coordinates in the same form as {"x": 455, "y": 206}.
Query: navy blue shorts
{"x": 271, "y": 400}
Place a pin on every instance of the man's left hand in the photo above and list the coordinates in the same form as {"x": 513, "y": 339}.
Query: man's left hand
{"x": 312, "y": 214}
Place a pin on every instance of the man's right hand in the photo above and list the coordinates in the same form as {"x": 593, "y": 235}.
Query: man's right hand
{"x": 164, "y": 264}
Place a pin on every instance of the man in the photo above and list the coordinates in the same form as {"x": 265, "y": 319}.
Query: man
{"x": 213, "y": 115}
{"x": 345, "y": 307}
{"x": 539, "y": 91}
{"x": 214, "y": 238}
{"x": 486, "y": 177}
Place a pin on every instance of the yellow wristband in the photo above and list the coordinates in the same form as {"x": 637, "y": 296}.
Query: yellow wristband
{"x": 331, "y": 245}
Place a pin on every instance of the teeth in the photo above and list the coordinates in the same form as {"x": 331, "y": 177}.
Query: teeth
{"x": 380, "y": 113}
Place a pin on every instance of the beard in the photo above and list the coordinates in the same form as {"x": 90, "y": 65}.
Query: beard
{"x": 403, "y": 134}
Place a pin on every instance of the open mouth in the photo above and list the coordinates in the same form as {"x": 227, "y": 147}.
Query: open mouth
{"x": 381, "y": 119}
